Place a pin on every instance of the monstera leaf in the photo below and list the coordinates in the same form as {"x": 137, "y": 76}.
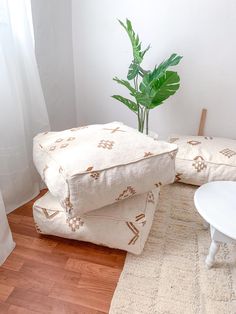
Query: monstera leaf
{"x": 150, "y": 88}
{"x": 174, "y": 59}
{"x": 133, "y": 70}
{"x": 127, "y": 85}
{"x": 164, "y": 87}
{"x": 138, "y": 54}
{"x": 129, "y": 103}
{"x": 156, "y": 91}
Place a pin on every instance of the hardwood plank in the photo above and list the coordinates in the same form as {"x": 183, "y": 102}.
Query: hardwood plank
{"x": 4, "y": 307}
{"x": 56, "y": 274}
{"x": 25, "y": 280}
{"x": 13, "y": 309}
{"x": 27, "y": 221}
{"x": 94, "y": 253}
{"x": 54, "y": 259}
{"x": 13, "y": 262}
{"x": 48, "y": 274}
{"x": 26, "y": 209}
{"x": 92, "y": 291}
{"x": 13, "y": 218}
{"x": 5, "y": 291}
{"x": 92, "y": 270}
{"x": 44, "y": 304}
{"x": 25, "y": 227}
{"x": 39, "y": 244}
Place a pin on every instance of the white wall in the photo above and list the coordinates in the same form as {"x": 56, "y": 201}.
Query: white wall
{"x": 203, "y": 31}
{"x": 54, "y": 53}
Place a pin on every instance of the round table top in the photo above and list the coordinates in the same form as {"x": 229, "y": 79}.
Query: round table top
{"x": 216, "y": 203}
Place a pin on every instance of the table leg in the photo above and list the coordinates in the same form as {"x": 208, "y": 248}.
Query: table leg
{"x": 212, "y": 253}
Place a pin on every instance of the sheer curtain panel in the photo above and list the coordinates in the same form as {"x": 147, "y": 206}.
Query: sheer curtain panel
{"x": 23, "y": 110}
{"x": 6, "y": 241}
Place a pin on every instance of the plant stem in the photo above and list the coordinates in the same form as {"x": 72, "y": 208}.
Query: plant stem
{"x": 139, "y": 122}
{"x": 140, "y": 128}
{"x": 147, "y": 121}
{"x": 143, "y": 119}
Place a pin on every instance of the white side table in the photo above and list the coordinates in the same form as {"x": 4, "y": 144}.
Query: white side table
{"x": 216, "y": 203}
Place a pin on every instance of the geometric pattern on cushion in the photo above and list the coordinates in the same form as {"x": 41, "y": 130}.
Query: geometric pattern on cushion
{"x": 124, "y": 225}
{"x": 201, "y": 159}
{"x": 90, "y": 167}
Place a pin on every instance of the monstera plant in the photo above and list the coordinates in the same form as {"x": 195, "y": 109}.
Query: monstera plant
{"x": 151, "y": 88}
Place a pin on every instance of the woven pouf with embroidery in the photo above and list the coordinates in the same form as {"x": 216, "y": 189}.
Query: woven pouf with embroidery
{"x": 123, "y": 225}
{"x": 103, "y": 183}
{"x": 90, "y": 167}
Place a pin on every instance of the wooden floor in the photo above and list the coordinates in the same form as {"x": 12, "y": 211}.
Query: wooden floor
{"x": 54, "y": 275}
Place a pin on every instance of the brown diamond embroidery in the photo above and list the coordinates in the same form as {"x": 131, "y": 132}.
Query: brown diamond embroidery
{"x": 59, "y": 140}
{"x": 74, "y": 223}
{"x": 159, "y": 184}
{"x": 126, "y": 193}
{"x": 208, "y": 137}
{"x": 95, "y": 175}
{"x": 89, "y": 168}
{"x": 50, "y": 216}
{"x": 194, "y": 142}
{"x": 228, "y": 152}
{"x": 178, "y": 177}
{"x": 106, "y": 144}
{"x": 150, "y": 198}
{"x": 115, "y": 130}
{"x": 199, "y": 163}
{"x": 135, "y": 231}
{"x": 67, "y": 204}
{"x": 37, "y": 228}
{"x": 172, "y": 154}
{"x": 60, "y": 169}
{"x": 64, "y": 145}
{"x": 70, "y": 139}
{"x": 173, "y": 139}
{"x": 147, "y": 154}
{"x": 52, "y": 148}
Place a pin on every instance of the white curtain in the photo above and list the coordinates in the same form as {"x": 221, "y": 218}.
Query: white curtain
{"x": 6, "y": 241}
{"x": 23, "y": 111}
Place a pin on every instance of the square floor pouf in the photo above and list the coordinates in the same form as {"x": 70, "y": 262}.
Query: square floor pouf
{"x": 103, "y": 183}
{"x": 90, "y": 167}
{"x": 123, "y": 225}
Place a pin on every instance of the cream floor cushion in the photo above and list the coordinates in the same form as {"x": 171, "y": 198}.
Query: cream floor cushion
{"x": 123, "y": 225}
{"x": 202, "y": 159}
{"x": 90, "y": 167}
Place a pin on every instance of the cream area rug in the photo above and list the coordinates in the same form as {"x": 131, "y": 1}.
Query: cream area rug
{"x": 170, "y": 275}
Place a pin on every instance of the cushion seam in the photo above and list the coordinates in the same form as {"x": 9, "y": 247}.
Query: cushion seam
{"x": 209, "y": 162}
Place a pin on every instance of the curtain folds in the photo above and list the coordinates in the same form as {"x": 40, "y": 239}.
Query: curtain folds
{"x": 23, "y": 110}
{"x": 6, "y": 241}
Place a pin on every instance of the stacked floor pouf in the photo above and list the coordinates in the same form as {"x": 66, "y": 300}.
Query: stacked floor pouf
{"x": 103, "y": 183}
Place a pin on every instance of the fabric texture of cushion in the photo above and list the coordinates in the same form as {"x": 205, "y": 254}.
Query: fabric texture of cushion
{"x": 123, "y": 225}
{"x": 93, "y": 166}
{"x": 201, "y": 159}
